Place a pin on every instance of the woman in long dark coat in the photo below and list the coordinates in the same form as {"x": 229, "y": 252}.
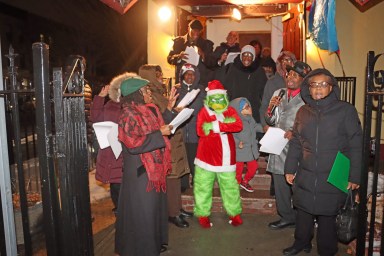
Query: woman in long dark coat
{"x": 324, "y": 126}
{"x": 142, "y": 219}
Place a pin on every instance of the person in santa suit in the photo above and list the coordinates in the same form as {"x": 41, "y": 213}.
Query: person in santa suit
{"x": 216, "y": 156}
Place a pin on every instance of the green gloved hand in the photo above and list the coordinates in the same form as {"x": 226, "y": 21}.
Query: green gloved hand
{"x": 229, "y": 120}
{"x": 207, "y": 127}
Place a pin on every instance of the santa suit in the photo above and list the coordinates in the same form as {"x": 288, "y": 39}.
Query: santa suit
{"x": 216, "y": 157}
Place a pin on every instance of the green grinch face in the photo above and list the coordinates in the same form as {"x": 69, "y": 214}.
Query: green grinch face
{"x": 217, "y": 102}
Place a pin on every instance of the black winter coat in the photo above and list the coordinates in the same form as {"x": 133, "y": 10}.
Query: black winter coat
{"x": 321, "y": 129}
{"x": 247, "y": 82}
{"x": 222, "y": 48}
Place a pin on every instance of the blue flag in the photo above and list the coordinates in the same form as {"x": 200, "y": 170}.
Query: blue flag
{"x": 321, "y": 25}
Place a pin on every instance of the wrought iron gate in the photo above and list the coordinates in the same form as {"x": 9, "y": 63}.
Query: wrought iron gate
{"x": 62, "y": 159}
{"x": 373, "y": 93}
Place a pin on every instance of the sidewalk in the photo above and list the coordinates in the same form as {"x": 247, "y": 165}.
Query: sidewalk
{"x": 252, "y": 238}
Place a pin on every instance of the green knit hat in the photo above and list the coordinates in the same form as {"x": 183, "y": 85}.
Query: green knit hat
{"x": 132, "y": 84}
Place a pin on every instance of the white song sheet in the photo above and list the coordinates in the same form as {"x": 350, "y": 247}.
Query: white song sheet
{"x": 181, "y": 118}
{"x": 193, "y": 57}
{"x": 106, "y": 134}
{"x": 188, "y": 98}
{"x": 273, "y": 141}
{"x": 231, "y": 57}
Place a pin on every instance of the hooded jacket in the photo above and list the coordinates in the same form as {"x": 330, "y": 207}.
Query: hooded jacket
{"x": 250, "y": 150}
{"x": 189, "y": 127}
{"x": 321, "y": 129}
{"x": 158, "y": 90}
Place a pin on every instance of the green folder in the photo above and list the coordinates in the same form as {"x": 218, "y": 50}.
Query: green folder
{"x": 339, "y": 174}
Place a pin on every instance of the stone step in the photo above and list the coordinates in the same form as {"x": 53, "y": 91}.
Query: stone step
{"x": 259, "y": 201}
{"x": 259, "y": 181}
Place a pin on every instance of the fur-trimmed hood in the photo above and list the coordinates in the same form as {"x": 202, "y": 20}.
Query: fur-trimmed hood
{"x": 114, "y": 88}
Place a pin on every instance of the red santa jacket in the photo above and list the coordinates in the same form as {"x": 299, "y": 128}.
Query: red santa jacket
{"x": 216, "y": 151}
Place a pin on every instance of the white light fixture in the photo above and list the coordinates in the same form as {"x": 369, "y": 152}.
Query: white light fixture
{"x": 164, "y": 13}
{"x": 236, "y": 14}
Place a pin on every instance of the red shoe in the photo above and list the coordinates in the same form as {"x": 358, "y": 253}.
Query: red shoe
{"x": 245, "y": 185}
{"x": 205, "y": 222}
{"x": 235, "y": 220}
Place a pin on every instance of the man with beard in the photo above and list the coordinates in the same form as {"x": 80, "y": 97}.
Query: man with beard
{"x": 177, "y": 55}
{"x": 244, "y": 78}
{"x": 281, "y": 113}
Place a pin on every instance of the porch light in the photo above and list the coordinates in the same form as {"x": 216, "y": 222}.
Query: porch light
{"x": 164, "y": 13}
{"x": 236, "y": 14}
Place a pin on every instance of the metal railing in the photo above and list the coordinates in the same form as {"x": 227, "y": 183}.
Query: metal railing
{"x": 373, "y": 92}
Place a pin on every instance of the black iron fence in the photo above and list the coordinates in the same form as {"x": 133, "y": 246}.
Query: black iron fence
{"x": 47, "y": 118}
{"x": 370, "y": 240}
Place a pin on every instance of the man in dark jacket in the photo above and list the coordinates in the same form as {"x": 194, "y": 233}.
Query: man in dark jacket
{"x": 323, "y": 127}
{"x": 177, "y": 56}
{"x": 231, "y": 45}
{"x": 244, "y": 78}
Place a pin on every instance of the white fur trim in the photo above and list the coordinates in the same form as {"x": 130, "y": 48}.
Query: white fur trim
{"x": 216, "y": 128}
{"x": 216, "y": 91}
{"x": 212, "y": 168}
{"x": 226, "y": 149}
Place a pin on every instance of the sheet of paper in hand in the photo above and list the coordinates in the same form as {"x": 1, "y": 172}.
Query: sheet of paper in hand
{"x": 106, "y": 134}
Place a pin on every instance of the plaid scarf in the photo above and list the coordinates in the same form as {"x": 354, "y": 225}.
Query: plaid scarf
{"x": 136, "y": 121}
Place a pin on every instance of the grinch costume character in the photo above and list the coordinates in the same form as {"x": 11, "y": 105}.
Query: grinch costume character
{"x": 216, "y": 156}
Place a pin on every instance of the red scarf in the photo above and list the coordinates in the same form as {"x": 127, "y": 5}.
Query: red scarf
{"x": 136, "y": 121}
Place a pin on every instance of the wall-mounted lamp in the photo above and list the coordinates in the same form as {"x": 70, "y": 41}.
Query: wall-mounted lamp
{"x": 236, "y": 14}
{"x": 164, "y": 13}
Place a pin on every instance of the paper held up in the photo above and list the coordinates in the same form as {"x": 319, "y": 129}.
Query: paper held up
{"x": 273, "y": 141}
{"x": 231, "y": 57}
{"x": 181, "y": 118}
{"x": 106, "y": 134}
{"x": 192, "y": 57}
{"x": 339, "y": 175}
{"x": 188, "y": 98}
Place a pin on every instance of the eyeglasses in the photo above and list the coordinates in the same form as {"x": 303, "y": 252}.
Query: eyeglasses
{"x": 287, "y": 60}
{"x": 322, "y": 84}
{"x": 247, "y": 54}
{"x": 145, "y": 90}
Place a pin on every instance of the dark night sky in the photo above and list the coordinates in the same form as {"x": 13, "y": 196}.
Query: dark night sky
{"x": 111, "y": 43}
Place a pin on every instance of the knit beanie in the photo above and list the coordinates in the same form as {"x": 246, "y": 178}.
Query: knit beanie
{"x": 248, "y": 48}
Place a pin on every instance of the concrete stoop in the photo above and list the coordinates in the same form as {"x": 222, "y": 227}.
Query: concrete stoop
{"x": 259, "y": 201}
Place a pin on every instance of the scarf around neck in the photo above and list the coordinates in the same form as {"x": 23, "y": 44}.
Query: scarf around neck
{"x": 136, "y": 122}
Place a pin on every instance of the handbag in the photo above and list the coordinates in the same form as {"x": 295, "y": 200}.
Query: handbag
{"x": 346, "y": 220}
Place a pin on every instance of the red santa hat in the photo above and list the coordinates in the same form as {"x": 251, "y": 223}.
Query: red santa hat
{"x": 215, "y": 87}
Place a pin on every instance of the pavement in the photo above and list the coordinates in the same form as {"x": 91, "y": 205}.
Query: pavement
{"x": 252, "y": 238}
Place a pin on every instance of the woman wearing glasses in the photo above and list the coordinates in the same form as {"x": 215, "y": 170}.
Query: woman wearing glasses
{"x": 324, "y": 126}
